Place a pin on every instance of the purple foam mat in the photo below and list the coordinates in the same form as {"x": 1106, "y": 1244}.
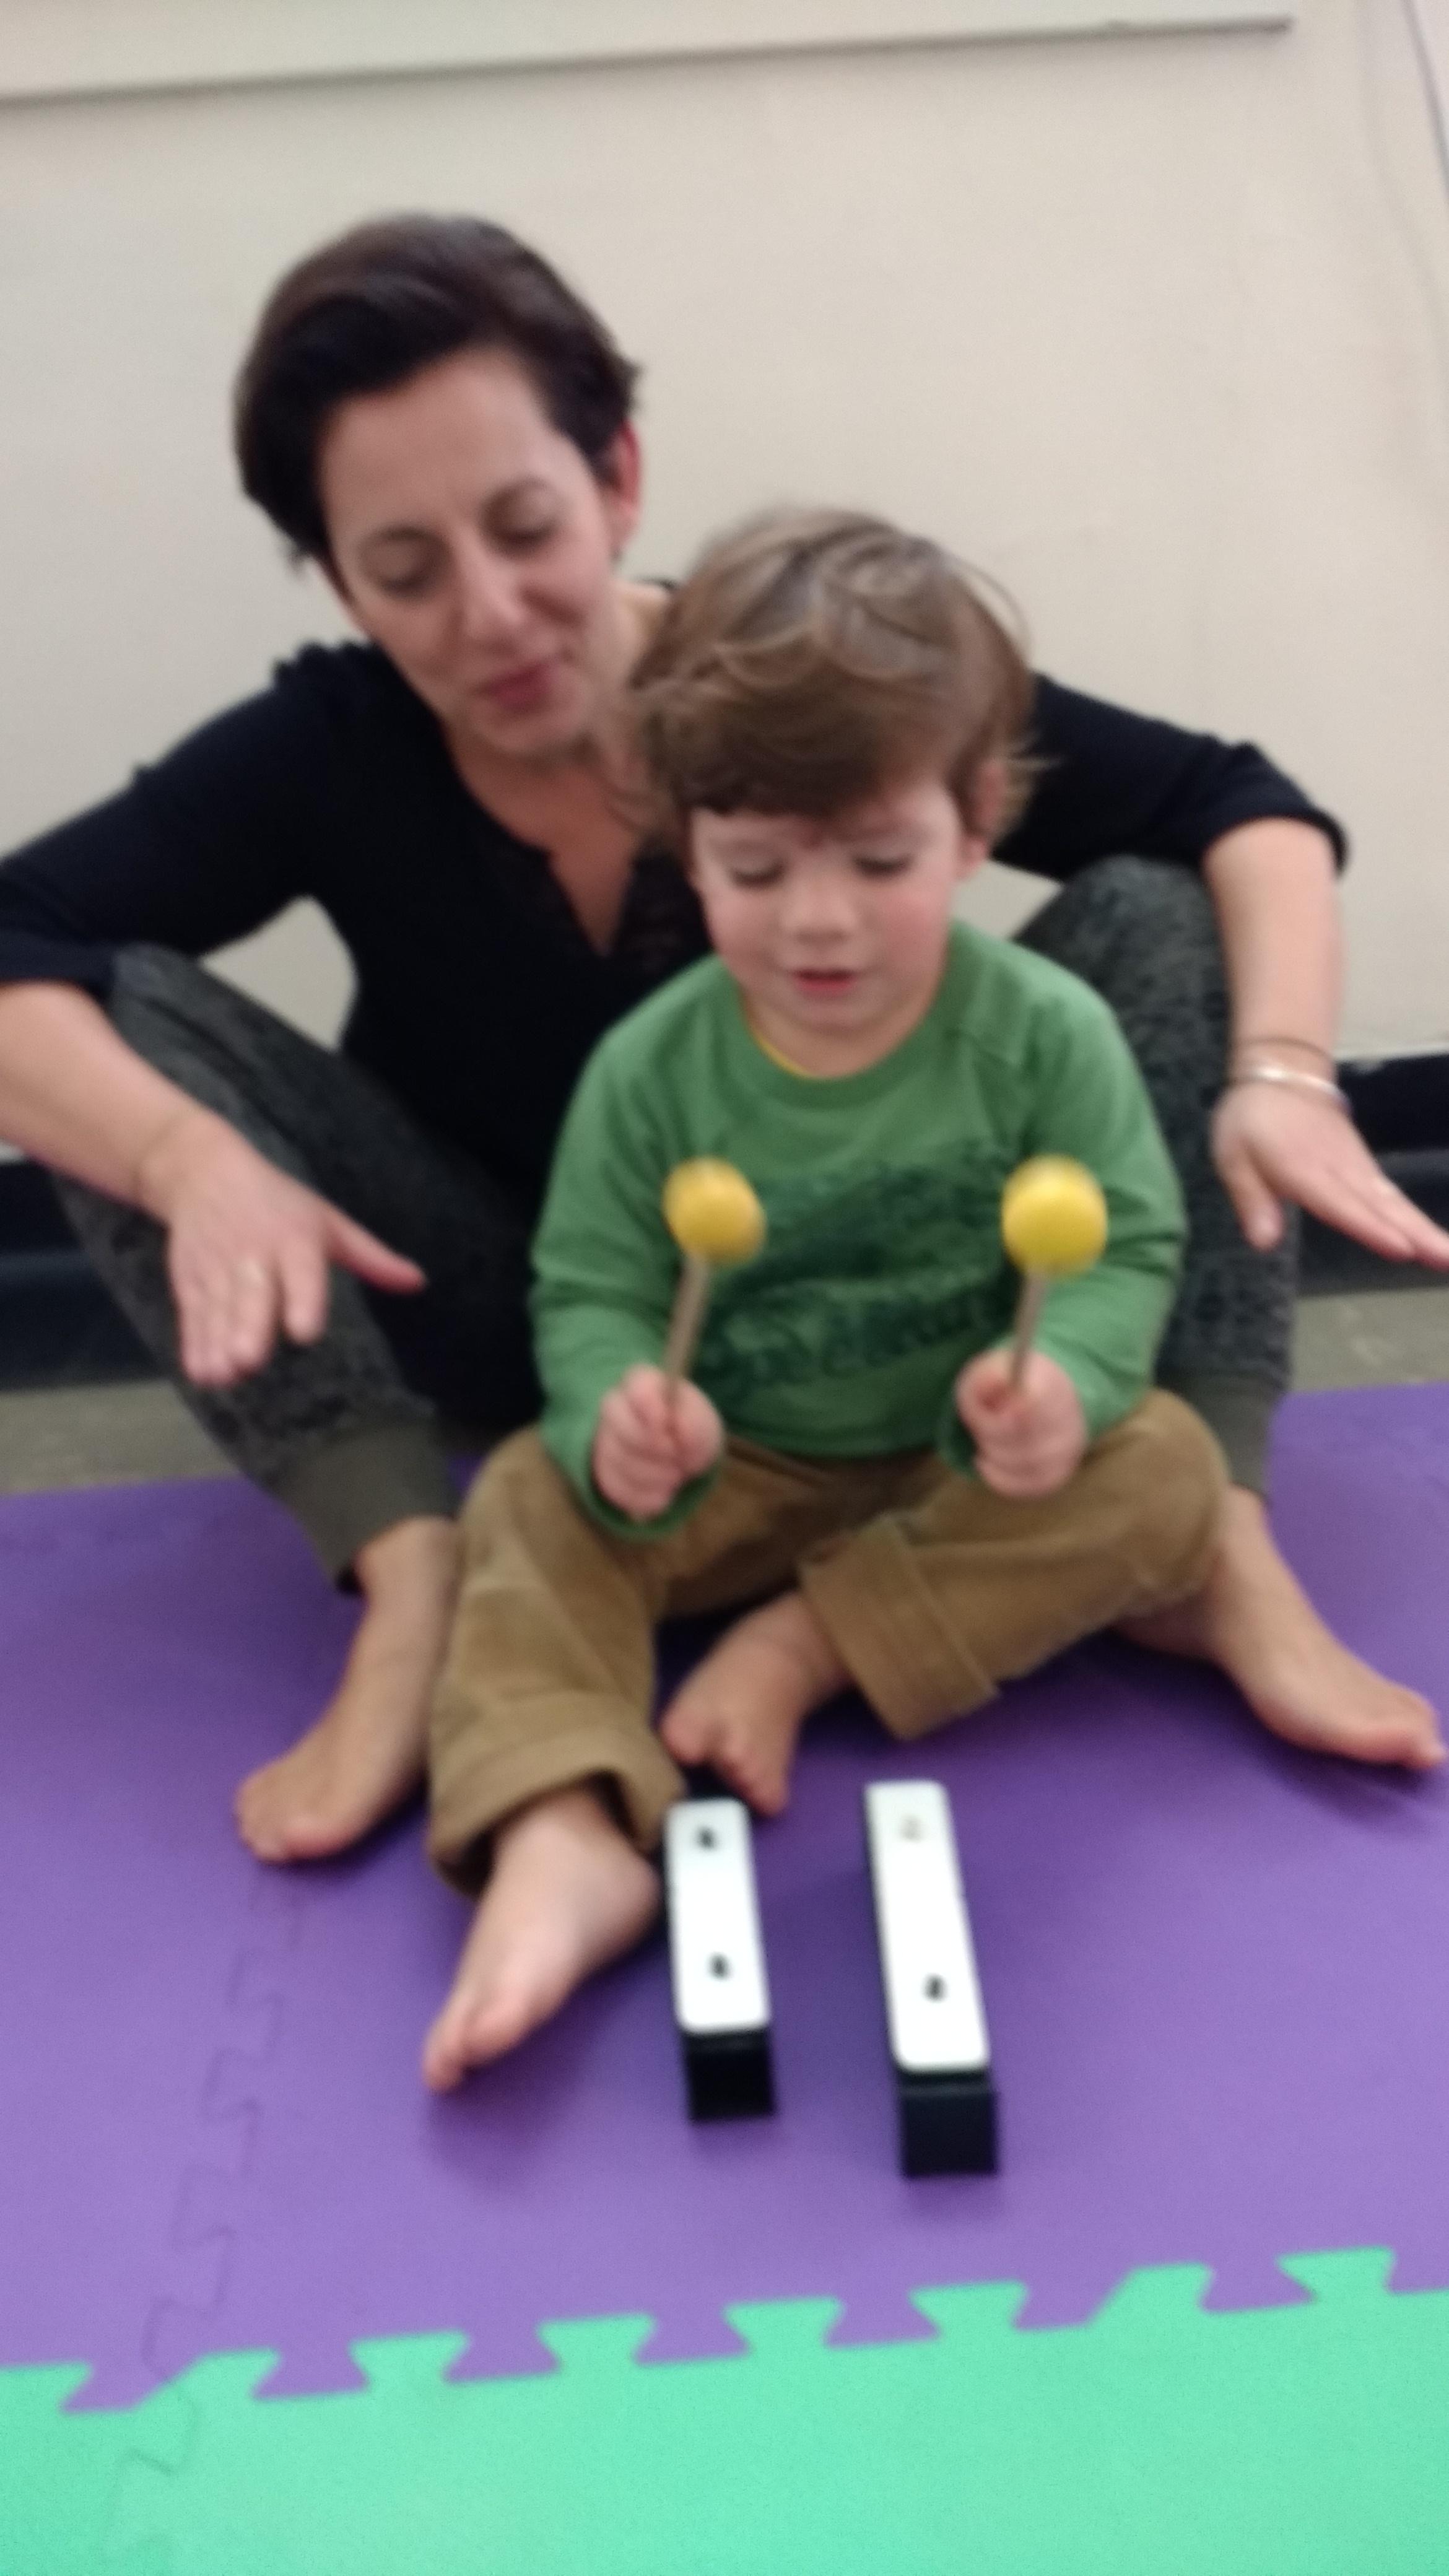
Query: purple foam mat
{"x": 1213, "y": 1970}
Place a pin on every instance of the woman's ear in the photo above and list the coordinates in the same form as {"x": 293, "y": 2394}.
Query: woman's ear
{"x": 327, "y": 572}
{"x": 621, "y": 478}
{"x": 335, "y": 583}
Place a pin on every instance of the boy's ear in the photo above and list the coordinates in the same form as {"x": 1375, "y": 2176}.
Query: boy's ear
{"x": 986, "y": 811}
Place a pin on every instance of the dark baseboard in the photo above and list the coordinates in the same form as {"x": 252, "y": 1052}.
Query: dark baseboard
{"x": 1401, "y": 1109}
{"x": 58, "y": 1326}
{"x": 1401, "y": 1103}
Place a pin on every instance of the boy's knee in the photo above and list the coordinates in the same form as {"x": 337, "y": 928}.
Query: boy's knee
{"x": 1178, "y": 1479}
{"x": 513, "y": 1481}
{"x": 523, "y": 1524}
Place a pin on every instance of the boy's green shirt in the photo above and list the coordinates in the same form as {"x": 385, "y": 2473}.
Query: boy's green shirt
{"x": 884, "y": 1270}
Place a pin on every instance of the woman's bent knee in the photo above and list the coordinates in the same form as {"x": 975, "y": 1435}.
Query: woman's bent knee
{"x": 158, "y": 987}
{"x": 1143, "y": 934}
{"x": 1147, "y": 900}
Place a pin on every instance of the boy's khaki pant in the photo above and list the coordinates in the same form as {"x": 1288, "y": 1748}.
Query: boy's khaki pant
{"x": 931, "y": 1588}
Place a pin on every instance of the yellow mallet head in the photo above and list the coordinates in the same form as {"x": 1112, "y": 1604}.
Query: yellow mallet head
{"x": 1053, "y": 1217}
{"x": 712, "y": 1212}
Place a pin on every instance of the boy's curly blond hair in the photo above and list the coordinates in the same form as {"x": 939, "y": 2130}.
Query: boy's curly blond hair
{"x": 811, "y": 659}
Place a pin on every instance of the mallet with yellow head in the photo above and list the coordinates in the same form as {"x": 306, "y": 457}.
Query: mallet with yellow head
{"x": 717, "y": 1222}
{"x": 1054, "y": 1224}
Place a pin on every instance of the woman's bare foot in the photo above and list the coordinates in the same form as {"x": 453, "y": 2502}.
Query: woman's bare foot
{"x": 742, "y": 1709}
{"x": 1252, "y": 1619}
{"x": 364, "y": 1756}
{"x": 567, "y": 1895}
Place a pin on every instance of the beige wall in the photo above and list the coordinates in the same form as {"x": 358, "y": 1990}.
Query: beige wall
{"x": 1155, "y": 329}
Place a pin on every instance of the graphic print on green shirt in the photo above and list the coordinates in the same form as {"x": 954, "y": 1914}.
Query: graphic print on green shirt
{"x": 778, "y": 1334}
{"x": 884, "y": 1270}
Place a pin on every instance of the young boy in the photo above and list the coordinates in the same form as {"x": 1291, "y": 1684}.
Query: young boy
{"x": 831, "y": 717}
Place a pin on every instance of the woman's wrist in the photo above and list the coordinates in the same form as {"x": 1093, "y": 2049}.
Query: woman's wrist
{"x": 1284, "y": 1055}
{"x": 1300, "y": 1064}
{"x": 1268, "y": 1048}
{"x": 167, "y": 1153}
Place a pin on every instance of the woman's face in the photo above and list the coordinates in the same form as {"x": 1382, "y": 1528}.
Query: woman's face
{"x": 474, "y": 544}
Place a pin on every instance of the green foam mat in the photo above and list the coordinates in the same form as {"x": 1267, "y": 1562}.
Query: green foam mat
{"x": 1157, "y": 2439}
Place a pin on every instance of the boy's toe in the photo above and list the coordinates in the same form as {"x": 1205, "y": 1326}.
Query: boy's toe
{"x": 688, "y": 1736}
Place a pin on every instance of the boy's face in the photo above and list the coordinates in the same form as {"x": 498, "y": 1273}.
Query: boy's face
{"x": 836, "y": 931}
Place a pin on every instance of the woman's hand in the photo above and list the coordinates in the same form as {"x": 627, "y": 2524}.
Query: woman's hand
{"x": 1029, "y": 1438}
{"x": 248, "y": 1248}
{"x": 1273, "y": 1143}
{"x": 655, "y": 1434}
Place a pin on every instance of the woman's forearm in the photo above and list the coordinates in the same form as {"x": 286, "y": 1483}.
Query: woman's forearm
{"x": 1274, "y": 889}
{"x": 75, "y": 1096}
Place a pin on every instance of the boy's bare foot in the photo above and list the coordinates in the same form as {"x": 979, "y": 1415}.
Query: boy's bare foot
{"x": 567, "y": 1895}
{"x": 742, "y": 1709}
{"x": 1252, "y": 1619}
{"x": 364, "y": 1756}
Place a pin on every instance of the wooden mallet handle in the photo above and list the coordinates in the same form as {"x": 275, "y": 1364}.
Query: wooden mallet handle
{"x": 687, "y": 1321}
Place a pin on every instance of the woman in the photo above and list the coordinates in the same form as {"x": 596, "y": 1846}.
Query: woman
{"x": 430, "y": 415}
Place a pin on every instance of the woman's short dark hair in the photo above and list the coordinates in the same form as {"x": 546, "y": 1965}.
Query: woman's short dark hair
{"x": 388, "y": 299}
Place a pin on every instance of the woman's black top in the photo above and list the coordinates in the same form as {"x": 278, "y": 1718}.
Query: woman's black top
{"x": 478, "y": 994}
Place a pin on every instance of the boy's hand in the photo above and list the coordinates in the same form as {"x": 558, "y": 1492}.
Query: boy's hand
{"x": 1029, "y": 1439}
{"x": 655, "y": 1434}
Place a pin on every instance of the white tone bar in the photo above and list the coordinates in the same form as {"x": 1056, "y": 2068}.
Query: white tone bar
{"x": 52, "y": 48}
{"x": 716, "y": 1954}
{"x": 928, "y": 1968}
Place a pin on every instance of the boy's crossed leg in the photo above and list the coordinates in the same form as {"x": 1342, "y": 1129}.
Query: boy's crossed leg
{"x": 921, "y": 1586}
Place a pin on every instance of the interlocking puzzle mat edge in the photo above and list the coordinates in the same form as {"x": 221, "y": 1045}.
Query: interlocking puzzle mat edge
{"x": 1157, "y": 2439}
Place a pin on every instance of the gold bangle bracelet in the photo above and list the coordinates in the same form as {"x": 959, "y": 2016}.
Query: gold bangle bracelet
{"x": 1317, "y": 1083}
